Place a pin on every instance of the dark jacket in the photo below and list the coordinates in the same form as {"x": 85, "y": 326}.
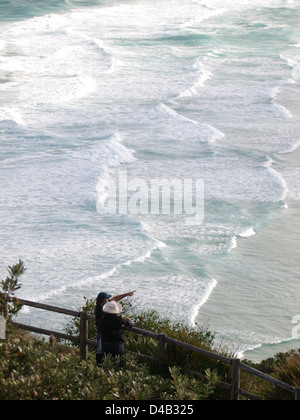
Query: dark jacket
{"x": 112, "y": 329}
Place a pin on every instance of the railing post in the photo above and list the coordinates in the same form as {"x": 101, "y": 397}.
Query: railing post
{"x": 52, "y": 341}
{"x": 297, "y": 394}
{"x": 162, "y": 346}
{"x": 236, "y": 379}
{"x": 83, "y": 335}
{"x": 4, "y": 307}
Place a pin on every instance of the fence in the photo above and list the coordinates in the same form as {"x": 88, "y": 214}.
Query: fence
{"x": 163, "y": 341}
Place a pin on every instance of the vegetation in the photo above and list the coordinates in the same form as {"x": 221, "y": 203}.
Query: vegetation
{"x": 33, "y": 370}
{"x": 9, "y": 286}
{"x": 286, "y": 368}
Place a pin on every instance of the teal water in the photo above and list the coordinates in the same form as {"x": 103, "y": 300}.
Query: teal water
{"x": 162, "y": 90}
{"x": 14, "y": 10}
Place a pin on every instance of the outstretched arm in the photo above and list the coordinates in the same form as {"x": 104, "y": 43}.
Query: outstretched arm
{"x": 120, "y": 297}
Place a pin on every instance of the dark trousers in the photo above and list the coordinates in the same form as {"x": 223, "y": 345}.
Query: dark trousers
{"x": 115, "y": 350}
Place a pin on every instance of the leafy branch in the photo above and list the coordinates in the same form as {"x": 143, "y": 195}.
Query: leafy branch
{"x": 9, "y": 305}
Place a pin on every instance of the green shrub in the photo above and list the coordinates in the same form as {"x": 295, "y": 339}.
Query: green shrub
{"x": 32, "y": 370}
{"x": 8, "y": 287}
{"x": 286, "y": 368}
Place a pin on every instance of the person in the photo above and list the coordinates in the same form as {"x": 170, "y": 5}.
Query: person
{"x": 112, "y": 330}
{"x": 102, "y": 299}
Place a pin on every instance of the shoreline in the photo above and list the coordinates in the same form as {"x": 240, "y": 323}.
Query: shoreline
{"x": 264, "y": 268}
{"x": 264, "y": 293}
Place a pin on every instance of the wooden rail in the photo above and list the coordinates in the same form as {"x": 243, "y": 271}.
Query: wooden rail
{"x": 163, "y": 341}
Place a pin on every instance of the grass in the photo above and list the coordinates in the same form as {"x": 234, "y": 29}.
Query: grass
{"x": 31, "y": 369}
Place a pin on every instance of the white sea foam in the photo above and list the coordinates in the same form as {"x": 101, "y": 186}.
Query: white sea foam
{"x": 103, "y": 277}
{"x": 267, "y": 343}
{"x": 61, "y": 69}
{"x": 95, "y": 280}
{"x": 207, "y": 12}
{"x": 249, "y": 341}
{"x": 11, "y": 115}
{"x": 233, "y": 244}
{"x": 168, "y": 112}
{"x": 203, "y": 76}
{"x": 108, "y": 153}
{"x": 96, "y": 44}
{"x": 290, "y": 148}
{"x": 179, "y": 297}
{"x": 68, "y": 89}
{"x": 51, "y": 22}
{"x": 85, "y": 282}
{"x": 281, "y": 111}
{"x": 201, "y": 132}
{"x": 2, "y": 45}
{"x": 279, "y": 177}
{"x": 205, "y": 297}
{"x": 146, "y": 255}
{"x": 41, "y": 297}
{"x": 247, "y": 233}
{"x": 111, "y": 154}
{"x": 288, "y": 61}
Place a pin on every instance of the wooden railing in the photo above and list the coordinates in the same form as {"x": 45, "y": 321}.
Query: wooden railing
{"x": 163, "y": 341}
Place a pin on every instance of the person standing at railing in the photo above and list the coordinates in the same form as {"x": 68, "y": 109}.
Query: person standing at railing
{"x": 112, "y": 330}
{"x": 102, "y": 299}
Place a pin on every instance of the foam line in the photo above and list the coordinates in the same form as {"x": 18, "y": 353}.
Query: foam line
{"x": 247, "y": 233}
{"x": 205, "y": 132}
{"x": 279, "y": 177}
{"x": 147, "y": 255}
{"x": 213, "y": 284}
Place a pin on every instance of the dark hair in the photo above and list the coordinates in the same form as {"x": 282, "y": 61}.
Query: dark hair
{"x": 99, "y": 302}
{"x": 99, "y": 311}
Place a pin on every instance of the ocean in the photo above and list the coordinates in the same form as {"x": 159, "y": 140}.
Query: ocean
{"x": 155, "y": 89}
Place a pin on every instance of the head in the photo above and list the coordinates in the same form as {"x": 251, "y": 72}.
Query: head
{"x": 103, "y": 298}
